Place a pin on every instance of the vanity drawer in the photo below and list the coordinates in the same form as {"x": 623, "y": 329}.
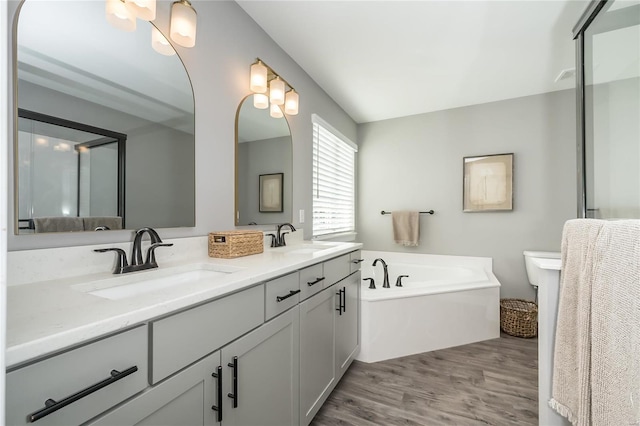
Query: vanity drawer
{"x": 336, "y": 269}
{"x": 90, "y": 378}
{"x": 311, "y": 281}
{"x": 281, "y": 294}
{"x": 355, "y": 259}
{"x": 183, "y": 338}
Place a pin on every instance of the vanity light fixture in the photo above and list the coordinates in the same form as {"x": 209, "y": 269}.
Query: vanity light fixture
{"x": 263, "y": 77}
{"x": 259, "y": 74}
{"x": 120, "y": 15}
{"x": 143, "y": 9}
{"x": 183, "y": 23}
{"x": 276, "y": 91}
{"x": 275, "y": 111}
{"x": 160, "y": 43}
{"x": 291, "y": 102}
{"x": 260, "y": 101}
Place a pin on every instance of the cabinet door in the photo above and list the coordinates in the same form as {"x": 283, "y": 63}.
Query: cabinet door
{"x": 262, "y": 374}
{"x": 347, "y": 326}
{"x": 186, "y": 399}
{"x": 317, "y": 353}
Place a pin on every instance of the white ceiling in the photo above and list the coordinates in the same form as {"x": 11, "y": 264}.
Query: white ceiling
{"x": 386, "y": 59}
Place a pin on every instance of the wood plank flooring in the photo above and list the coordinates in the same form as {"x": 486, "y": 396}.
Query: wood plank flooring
{"x": 487, "y": 383}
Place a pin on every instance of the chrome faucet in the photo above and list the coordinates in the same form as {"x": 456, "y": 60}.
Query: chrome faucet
{"x": 385, "y": 281}
{"x": 277, "y": 239}
{"x": 123, "y": 267}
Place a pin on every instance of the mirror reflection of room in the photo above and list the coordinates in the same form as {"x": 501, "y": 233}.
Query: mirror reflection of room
{"x": 107, "y": 79}
{"x": 263, "y": 148}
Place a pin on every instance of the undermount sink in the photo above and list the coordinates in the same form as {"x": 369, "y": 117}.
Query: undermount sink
{"x": 126, "y": 286}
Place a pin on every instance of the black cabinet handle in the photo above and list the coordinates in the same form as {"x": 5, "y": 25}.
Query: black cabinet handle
{"x": 344, "y": 299}
{"x": 310, "y": 283}
{"x": 291, "y": 293}
{"x": 218, "y": 408}
{"x": 52, "y": 406}
{"x": 356, "y": 261}
{"x": 341, "y": 295}
{"x": 234, "y": 395}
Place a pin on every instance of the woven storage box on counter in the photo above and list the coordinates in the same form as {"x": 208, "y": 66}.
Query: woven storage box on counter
{"x": 230, "y": 244}
{"x": 519, "y": 317}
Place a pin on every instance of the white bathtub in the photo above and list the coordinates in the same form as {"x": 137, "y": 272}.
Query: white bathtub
{"x": 446, "y": 301}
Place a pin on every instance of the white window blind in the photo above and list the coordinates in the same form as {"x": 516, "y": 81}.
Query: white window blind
{"x": 333, "y": 180}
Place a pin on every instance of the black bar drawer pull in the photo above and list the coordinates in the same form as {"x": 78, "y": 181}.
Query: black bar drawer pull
{"x": 234, "y": 395}
{"x": 356, "y": 261}
{"x": 310, "y": 283}
{"x": 291, "y": 293}
{"x": 340, "y": 294}
{"x": 51, "y": 406}
{"x": 218, "y": 408}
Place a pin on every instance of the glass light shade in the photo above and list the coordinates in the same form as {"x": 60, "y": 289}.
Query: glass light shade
{"x": 143, "y": 9}
{"x": 160, "y": 43}
{"x": 183, "y": 24}
{"x": 120, "y": 15}
{"x": 276, "y": 91}
{"x": 275, "y": 111}
{"x": 258, "y": 82}
{"x": 291, "y": 102}
{"x": 260, "y": 101}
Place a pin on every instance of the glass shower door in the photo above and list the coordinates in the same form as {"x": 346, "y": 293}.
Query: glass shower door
{"x": 611, "y": 58}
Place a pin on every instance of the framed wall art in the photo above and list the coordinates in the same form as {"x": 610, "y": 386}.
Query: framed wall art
{"x": 488, "y": 183}
{"x": 271, "y": 193}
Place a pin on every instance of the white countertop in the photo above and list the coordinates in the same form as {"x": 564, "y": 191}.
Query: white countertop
{"x": 47, "y": 316}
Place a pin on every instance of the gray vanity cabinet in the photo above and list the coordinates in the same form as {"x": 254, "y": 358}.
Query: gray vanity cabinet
{"x": 261, "y": 375}
{"x": 79, "y": 384}
{"x": 317, "y": 352}
{"x": 347, "y": 324}
{"x": 186, "y": 399}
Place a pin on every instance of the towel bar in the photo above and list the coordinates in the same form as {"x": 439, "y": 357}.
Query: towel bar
{"x": 427, "y": 212}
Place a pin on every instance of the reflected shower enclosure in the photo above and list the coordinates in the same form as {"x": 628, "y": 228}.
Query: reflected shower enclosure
{"x": 67, "y": 169}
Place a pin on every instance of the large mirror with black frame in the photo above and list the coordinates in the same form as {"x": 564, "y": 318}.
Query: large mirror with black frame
{"x": 86, "y": 94}
{"x": 264, "y": 170}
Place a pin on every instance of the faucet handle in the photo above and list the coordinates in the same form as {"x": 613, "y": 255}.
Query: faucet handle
{"x": 151, "y": 253}
{"x": 274, "y": 240}
{"x": 282, "y": 240}
{"x": 121, "y": 259}
{"x": 399, "y": 280}
{"x": 372, "y": 283}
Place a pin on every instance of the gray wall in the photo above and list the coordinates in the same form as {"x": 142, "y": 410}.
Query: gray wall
{"x": 228, "y": 41}
{"x": 415, "y": 163}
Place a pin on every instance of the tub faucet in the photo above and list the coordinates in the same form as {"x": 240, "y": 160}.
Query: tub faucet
{"x": 385, "y": 281}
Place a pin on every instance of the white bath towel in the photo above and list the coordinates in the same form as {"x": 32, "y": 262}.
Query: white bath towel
{"x": 571, "y": 393}
{"x": 406, "y": 227}
{"x": 615, "y": 326}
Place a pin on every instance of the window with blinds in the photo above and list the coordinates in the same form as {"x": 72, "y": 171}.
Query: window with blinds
{"x": 333, "y": 180}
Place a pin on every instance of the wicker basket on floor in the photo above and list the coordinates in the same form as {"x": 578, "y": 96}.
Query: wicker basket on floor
{"x": 519, "y": 317}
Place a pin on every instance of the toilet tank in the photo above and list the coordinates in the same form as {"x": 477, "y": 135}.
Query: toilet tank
{"x": 532, "y": 271}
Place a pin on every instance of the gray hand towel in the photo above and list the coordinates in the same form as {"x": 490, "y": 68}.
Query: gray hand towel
{"x": 58, "y": 224}
{"x": 110, "y": 222}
